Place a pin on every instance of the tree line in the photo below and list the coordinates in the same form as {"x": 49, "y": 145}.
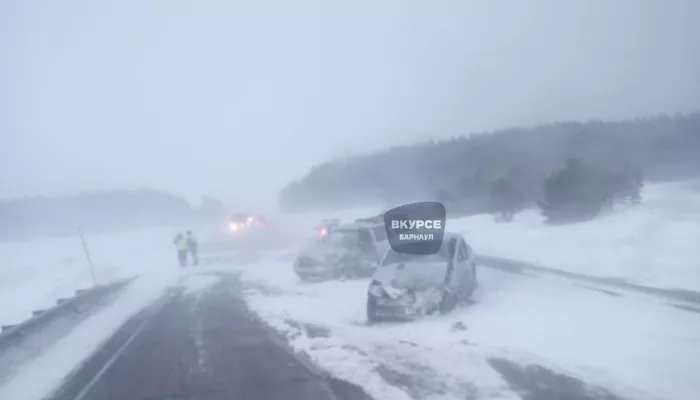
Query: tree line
{"x": 549, "y": 166}
{"x": 578, "y": 191}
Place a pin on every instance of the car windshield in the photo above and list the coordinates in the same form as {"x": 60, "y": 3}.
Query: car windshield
{"x": 393, "y": 257}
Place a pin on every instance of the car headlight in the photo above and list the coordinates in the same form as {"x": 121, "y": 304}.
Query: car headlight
{"x": 375, "y": 289}
{"x": 233, "y": 227}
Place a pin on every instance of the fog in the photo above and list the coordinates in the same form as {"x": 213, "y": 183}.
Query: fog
{"x": 235, "y": 99}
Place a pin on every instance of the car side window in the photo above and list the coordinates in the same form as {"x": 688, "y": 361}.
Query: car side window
{"x": 380, "y": 233}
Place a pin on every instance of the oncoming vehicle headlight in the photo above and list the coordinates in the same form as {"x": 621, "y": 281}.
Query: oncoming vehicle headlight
{"x": 233, "y": 227}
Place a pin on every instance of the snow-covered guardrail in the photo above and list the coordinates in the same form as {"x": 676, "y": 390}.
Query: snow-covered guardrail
{"x": 12, "y": 335}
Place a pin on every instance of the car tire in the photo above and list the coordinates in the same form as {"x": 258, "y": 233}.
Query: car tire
{"x": 469, "y": 286}
{"x": 372, "y": 309}
{"x": 448, "y": 302}
{"x": 303, "y": 277}
{"x": 344, "y": 268}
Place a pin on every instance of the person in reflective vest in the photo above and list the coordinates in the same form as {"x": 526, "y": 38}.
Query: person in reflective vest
{"x": 192, "y": 246}
{"x": 182, "y": 248}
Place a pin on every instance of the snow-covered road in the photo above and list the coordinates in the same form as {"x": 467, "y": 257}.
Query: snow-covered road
{"x": 526, "y": 333}
{"x": 569, "y": 318}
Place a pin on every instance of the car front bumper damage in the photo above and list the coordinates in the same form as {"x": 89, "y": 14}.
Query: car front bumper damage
{"x": 407, "y": 303}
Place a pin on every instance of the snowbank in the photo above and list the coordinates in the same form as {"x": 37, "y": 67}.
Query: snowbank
{"x": 655, "y": 243}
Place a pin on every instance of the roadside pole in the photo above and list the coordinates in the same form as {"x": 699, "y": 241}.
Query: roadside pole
{"x": 89, "y": 259}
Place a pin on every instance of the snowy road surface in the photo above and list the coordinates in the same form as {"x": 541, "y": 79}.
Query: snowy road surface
{"x": 199, "y": 343}
{"x": 527, "y": 336}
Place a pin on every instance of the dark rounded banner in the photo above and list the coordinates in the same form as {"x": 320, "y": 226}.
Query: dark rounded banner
{"x": 416, "y": 228}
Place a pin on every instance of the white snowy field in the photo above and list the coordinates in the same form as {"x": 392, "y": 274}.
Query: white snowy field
{"x": 33, "y": 274}
{"x": 655, "y": 243}
{"x": 633, "y": 345}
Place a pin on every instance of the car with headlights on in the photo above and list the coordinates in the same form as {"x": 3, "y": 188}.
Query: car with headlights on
{"x": 410, "y": 286}
{"x": 326, "y": 225}
{"x": 246, "y": 222}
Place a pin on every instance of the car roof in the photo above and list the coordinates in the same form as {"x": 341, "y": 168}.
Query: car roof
{"x": 377, "y": 219}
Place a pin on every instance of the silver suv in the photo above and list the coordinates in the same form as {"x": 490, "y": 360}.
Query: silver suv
{"x": 346, "y": 251}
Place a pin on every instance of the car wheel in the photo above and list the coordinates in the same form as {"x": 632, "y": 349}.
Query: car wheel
{"x": 469, "y": 285}
{"x": 372, "y": 309}
{"x": 345, "y": 268}
{"x": 345, "y": 274}
{"x": 448, "y": 302}
{"x": 474, "y": 281}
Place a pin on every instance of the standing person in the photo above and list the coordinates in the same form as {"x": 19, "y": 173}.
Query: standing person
{"x": 181, "y": 246}
{"x": 192, "y": 245}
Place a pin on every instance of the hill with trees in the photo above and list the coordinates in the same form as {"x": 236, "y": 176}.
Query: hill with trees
{"x": 504, "y": 171}
{"x": 579, "y": 191}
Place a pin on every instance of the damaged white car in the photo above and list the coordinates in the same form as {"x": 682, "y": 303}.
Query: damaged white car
{"x": 346, "y": 251}
{"x": 410, "y": 286}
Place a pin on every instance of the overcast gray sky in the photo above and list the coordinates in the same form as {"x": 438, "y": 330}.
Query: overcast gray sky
{"x": 235, "y": 98}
